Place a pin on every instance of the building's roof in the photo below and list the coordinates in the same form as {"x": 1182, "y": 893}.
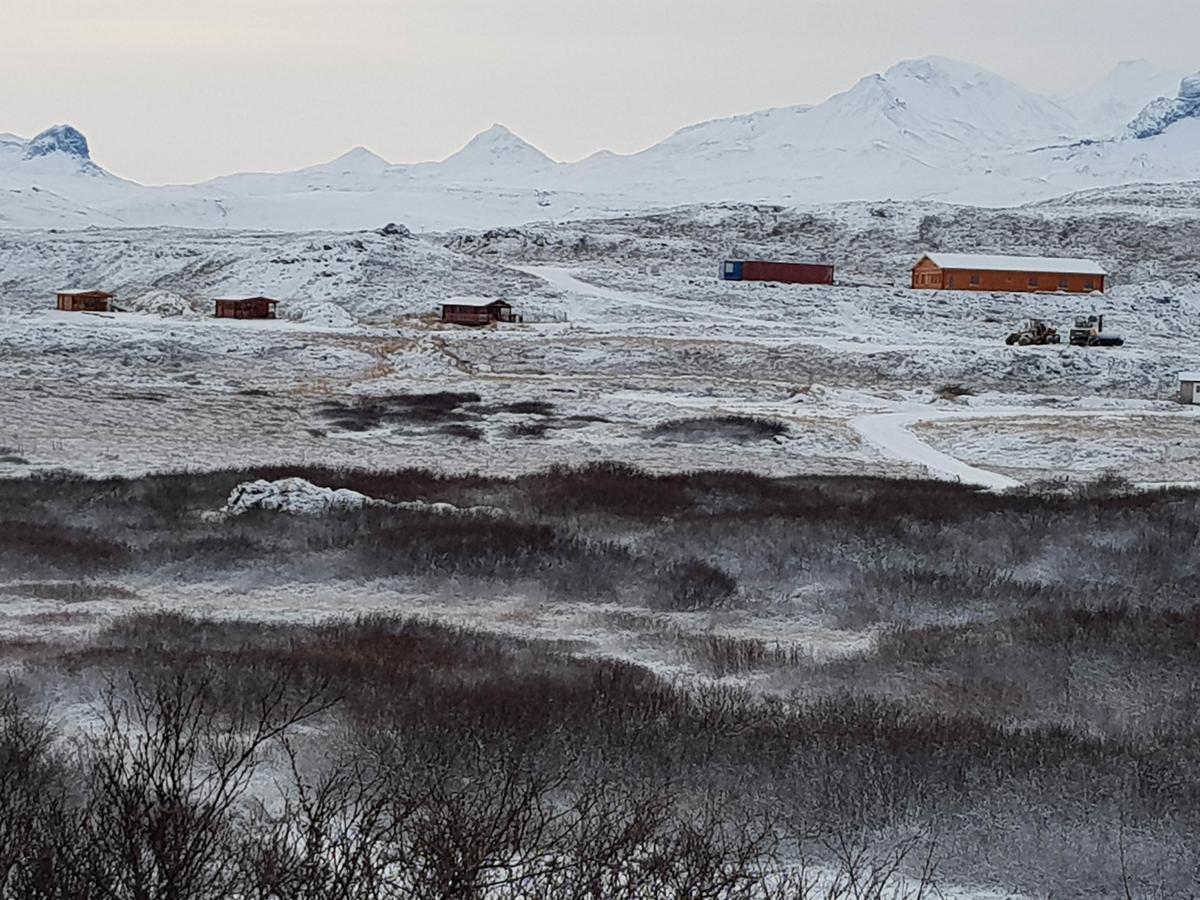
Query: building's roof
{"x": 1189, "y": 376}
{"x": 475, "y": 302}
{"x": 1047, "y": 265}
{"x": 77, "y": 292}
{"x": 242, "y": 299}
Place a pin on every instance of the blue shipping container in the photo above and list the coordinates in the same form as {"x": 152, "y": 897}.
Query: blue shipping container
{"x": 731, "y": 270}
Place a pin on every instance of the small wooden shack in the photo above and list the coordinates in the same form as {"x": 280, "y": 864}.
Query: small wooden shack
{"x": 1007, "y": 274}
{"x": 246, "y": 308}
{"x": 84, "y": 301}
{"x": 477, "y": 312}
{"x": 1189, "y": 387}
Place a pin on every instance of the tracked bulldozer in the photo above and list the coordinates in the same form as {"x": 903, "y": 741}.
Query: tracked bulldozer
{"x": 1034, "y": 332}
{"x": 1088, "y": 331}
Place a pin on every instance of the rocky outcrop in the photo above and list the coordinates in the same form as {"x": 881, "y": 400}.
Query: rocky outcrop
{"x": 59, "y": 139}
{"x": 1166, "y": 111}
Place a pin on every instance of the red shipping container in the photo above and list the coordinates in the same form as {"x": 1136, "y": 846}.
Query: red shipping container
{"x": 787, "y": 273}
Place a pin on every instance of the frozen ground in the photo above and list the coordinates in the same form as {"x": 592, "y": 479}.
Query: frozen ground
{"x": 650, "y": 336}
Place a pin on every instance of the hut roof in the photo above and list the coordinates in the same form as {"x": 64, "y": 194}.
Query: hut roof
{"x": 1046, "y": 265}
{"x": 244, "y": 299}
{"x": 80, "y": 292}
{"x": 476, "y": 302}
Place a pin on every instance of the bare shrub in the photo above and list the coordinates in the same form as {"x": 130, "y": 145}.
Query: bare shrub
{"x": 69, "y": 591}
{"x": 954, "y": 391}
{"x": 739, "y": 429}
{"x": 528, "y": 407}
{"x": 466, "y": 432}
{"x": 694, "y": 584}
{"x": 528, "y": 430}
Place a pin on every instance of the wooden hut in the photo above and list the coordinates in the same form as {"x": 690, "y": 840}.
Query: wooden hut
{"x": 1007, "y": 274}
{"x": 246, "y": 308}
{"x": 84, "y": 301}
{"x": 477, "y": 312}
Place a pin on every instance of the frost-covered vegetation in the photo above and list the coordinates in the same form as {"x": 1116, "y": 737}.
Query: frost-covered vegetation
{"x": 1024, "y": 708}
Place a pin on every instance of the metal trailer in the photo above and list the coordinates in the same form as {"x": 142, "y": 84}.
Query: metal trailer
{"x": 780, "y": 272}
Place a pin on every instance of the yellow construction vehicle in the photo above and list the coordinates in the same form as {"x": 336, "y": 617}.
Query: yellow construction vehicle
{"x": 1035, "y": 331}
{"x": 1088, "y": 332}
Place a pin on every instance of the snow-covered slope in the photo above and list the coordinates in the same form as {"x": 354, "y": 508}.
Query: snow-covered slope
{"x": 1105, "y": 108}
{"x": 924, "y": 129}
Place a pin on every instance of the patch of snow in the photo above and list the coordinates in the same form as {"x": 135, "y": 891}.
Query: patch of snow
{"x": 299, "y": 497}
{"x": 294, "y": 496}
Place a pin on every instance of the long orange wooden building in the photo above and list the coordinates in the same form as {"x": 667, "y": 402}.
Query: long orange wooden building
{"x": 1008, "y": 274}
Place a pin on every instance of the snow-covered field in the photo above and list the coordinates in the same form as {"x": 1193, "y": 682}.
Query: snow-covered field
{"x": 626, "y": 328}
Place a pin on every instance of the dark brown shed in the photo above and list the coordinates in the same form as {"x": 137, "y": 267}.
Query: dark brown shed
{"x": 477, "y": 312}
{"x": 84, "y": 301}
{"x": 246, "y": 308}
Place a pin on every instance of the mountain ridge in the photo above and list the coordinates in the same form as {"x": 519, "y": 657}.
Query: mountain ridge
{"x": 928, "y": 128}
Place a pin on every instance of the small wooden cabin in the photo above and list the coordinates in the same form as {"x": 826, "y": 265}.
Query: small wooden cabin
{"x": 477, "y": 312}
{"x": 1189, "y": 387}
{"x": 85, "y": 301}
{"x": 246, "y": 308}
{"x": 1007, "y": 274}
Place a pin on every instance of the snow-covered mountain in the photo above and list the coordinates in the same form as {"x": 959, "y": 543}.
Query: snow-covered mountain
{"x": 495, "y": 154}
{"x": 924, "y": 129}
{"x": 1105, "y": 108}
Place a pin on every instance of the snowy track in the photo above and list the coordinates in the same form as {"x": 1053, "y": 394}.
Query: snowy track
{"x": 890, "y": 433}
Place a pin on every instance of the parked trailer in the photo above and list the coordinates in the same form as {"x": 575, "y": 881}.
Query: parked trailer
{"x": 782, "y": 272}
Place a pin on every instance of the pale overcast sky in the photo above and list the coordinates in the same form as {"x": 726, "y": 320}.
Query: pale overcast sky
{"x": 180, "y": 90}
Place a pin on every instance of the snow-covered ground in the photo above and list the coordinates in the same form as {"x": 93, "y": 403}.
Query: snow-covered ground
{"x": 626, "y": 328}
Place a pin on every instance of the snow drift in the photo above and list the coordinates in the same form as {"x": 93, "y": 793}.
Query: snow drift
{"x": 298, "y": 497}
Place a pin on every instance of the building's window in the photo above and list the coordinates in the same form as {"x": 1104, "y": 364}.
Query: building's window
{"x": 728, "y": 268}
{"x": 1089, "y": 285}
{"x": 1033, "y": 282}
{"x": 1063, "y": 284}
{"x": 976, "y": 280}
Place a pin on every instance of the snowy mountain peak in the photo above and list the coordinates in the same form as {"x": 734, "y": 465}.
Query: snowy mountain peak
{"x": 938, "y": 101}
{"x": 1164, "y": 112}
{"x": 360, "y": 159}
{"x": 59, "y": 139}
{"x": 362, "y": 154}
{"x": 950, "y": 72}
{"x": 498, "y": 147}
